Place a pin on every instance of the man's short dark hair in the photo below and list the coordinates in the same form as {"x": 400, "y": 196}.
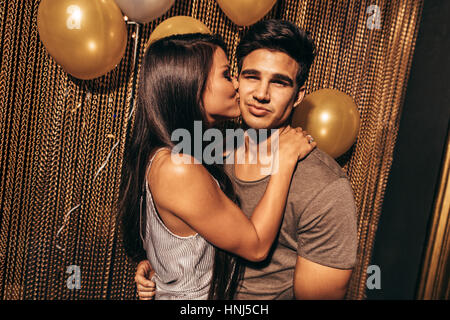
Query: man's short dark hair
{"x": 279, "y": 35}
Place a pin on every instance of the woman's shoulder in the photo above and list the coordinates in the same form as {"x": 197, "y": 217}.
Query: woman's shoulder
{"x": 176, "y": 169}
{"x": 173, "y": 182}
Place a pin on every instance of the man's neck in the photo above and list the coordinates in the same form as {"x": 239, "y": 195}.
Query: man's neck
{"x": 263, "y": 139}
{"x": 252, "y": 167}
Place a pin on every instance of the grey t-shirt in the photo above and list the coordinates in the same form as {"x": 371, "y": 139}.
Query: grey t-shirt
{"x": 319, "y": 224}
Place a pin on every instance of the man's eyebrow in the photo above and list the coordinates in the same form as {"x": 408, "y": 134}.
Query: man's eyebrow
{"x": 279, "y": 76}
{"x": 276, "y": 76}
{"x": 250, "y": 72}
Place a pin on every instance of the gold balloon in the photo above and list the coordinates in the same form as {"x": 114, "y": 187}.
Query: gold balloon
{"x": 331, "y": 118}
{"x": 245, "y": 12}
{"x": 86, "y": 37}
{"x": 177, "y": 25}
{"x": 144, "y": 11}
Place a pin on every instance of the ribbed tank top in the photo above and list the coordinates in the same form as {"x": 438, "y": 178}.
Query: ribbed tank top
{"x": 183, "y": 265}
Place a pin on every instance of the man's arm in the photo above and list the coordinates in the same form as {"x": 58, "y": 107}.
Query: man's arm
{"x": 327, "y": 243}
{"x": 315, "y": 281}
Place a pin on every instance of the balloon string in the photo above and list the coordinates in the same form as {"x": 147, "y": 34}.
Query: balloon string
{"x": 136, "y": 40}
{"x": 67, "y": 215}
{"x": 66, "y": 218}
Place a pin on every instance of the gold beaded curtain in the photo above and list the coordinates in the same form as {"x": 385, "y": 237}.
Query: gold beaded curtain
{"x": 62, "y": 139}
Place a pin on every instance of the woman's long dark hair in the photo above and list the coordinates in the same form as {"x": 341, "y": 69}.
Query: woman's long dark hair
{"x": 172, "y": 79}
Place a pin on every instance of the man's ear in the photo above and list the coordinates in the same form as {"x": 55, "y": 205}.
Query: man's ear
{"x": 300, "y": 95}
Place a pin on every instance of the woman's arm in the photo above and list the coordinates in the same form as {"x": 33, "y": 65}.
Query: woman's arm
{"x": 145, "y": 286}
{"x": 189, "y": 192}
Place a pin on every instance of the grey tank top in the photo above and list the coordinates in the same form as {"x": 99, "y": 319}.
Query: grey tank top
{"x": 183, "y": 265}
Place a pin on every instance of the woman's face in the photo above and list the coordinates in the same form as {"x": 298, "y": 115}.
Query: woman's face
{"x": 220, "y": 98}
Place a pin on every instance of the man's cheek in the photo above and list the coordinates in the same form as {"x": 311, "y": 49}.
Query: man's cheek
{"x": 244, "y": 87}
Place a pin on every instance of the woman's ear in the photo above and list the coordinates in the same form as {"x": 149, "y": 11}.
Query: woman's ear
{"x": 300, "y": 95}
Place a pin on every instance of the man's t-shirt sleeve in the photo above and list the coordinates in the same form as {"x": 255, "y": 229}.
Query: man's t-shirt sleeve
{"x": 327, "y": 228}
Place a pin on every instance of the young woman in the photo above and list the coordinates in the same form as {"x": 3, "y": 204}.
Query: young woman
{"x": 191, "y": 226}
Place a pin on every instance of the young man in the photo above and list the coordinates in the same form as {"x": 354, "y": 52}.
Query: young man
{"x": 315, "y": 251}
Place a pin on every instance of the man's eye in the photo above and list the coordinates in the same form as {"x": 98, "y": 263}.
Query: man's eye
{"x": 281, "y": 83}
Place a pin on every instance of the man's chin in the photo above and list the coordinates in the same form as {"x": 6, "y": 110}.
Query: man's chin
{"x": 256, "y": 122}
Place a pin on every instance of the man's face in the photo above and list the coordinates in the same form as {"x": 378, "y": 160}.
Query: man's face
{"x": 268, "y": 89}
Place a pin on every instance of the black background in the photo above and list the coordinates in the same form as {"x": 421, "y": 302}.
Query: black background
{"x": 402, "y": 232}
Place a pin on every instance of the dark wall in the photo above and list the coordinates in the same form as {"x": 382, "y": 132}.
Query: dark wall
{"x": 402, "y": 232}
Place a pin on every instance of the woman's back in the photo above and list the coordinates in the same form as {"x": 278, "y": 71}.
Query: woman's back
{"x": 183, "y": 265}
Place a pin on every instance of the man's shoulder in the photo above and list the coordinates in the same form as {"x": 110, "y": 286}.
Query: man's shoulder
{"x": 316, "y": 171}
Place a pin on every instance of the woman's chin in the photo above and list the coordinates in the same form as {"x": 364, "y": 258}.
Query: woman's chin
{"x": 232, "y": 114}
{"x": 236, "y": 113}
{"x": 225, "y": 116}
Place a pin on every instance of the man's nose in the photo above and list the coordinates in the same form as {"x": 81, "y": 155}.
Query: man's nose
{"x": 261, "y": 93}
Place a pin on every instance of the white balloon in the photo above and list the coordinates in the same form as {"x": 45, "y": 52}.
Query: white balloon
{"x": 144, "y": 11}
